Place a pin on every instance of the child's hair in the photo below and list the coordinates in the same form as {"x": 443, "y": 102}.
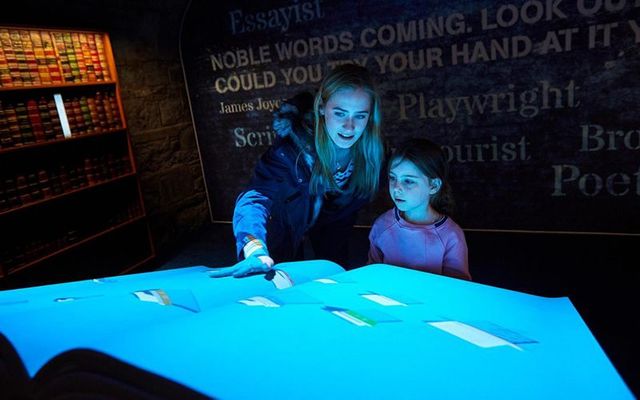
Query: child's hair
{"x": 367, "y": 152}
{"x": 430, "y": 159}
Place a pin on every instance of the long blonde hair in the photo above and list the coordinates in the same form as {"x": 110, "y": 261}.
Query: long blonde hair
{"x": 367, "y": 152}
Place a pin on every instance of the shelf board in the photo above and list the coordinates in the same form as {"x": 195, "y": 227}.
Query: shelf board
{"x": 58, "y": 141}
{"x": 74, "y": 245}
{"x": 61, "y": 195}
{"x": 57, "y": 86}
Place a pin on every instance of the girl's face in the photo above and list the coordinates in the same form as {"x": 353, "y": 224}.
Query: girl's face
{"x": 411, "y": 190}
{"x": 346, "y": 114}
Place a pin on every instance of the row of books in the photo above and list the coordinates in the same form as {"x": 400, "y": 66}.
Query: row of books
{"x": 25, "y": 188}
{"x": 32, "y": 121}
{"x": 36, "y": 57}
{"x": 96, "y": 113}
{"x": 50, "y": 239}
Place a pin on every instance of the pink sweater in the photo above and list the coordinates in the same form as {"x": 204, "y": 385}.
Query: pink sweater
{"x": 438, "y": 248}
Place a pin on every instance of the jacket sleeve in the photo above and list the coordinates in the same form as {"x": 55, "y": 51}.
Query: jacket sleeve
{"x": 254, "y": 206}
{"x": 456, "y": 261}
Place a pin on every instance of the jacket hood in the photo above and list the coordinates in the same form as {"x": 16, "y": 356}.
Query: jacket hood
{"x": 295, "y": 119}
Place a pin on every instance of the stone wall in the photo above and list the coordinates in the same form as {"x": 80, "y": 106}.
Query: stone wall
{"x": 144, "y": 36}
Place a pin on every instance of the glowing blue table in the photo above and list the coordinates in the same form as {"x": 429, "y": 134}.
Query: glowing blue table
{"x": 377, "y": 332}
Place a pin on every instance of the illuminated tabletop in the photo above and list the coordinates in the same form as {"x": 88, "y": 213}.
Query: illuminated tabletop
{"x": 376, "y": 332}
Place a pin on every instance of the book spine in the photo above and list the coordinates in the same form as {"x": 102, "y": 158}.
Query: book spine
{"x": 86, "y": 114}
{"x": 95, "y": 57}
{"x": 41, "y": 58}
{"x": 55, "y": 119}
{"x": 86, "y": 54}
{"x": 45, "y": 185}
{"x": 71, "y": 55}
{"x": 56, "y": 184}
{"x": 82, "y": 177}
{"x": 34, "y": 187}
{"x": 12, "y": 123}
{"x": 81, "y": 129}
{"x": 59, "y": 43}
{"x": 117, "y": 121}
{"x": 45, "y": 117}
{"x": 5, "y": 73}
{"x": 77, "y": 49}
{"x": 19, "y": 69}
{"x": 93, "y": 114}
{"x": 26, "y": 131}
{"x": 12, "y": 193}
{"x": 5, "y": 134}
{"x": 102, "y": 57}
{"x": 9, "y": 54}
{"x": 30, "y": 58}
{"x": 71, "y": 116}
{"x": 64, "y": 179}
{"x": 50, "y": 58}
{"x": 4, "y": 205}
{"x": 23, "y": 189}
{"x": 36, "y": 122}
{"x": 100, "y": 110}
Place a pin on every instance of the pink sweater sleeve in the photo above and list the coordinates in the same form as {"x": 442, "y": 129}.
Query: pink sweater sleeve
{"x": 456, "y": 261}
{"x": 375, "y": 254}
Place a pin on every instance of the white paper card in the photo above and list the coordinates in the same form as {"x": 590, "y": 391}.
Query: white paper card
{"x": 259, "y": 301}
{"x": 382, "y": 300}
{"x": 62, "y": 115}
{"x": 350, "y": 318}
{"x": 326, "y": 281}
{"x": 471, "y": 334}
{"x": 153, "y": 296}
{"x": 282, "y": 280}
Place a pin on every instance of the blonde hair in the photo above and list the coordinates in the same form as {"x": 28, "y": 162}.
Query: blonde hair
{"x": 367, "y": 152}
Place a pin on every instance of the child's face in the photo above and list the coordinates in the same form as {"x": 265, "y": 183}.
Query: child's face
{"x": 410, "y": 189}
{"x": 346, "y": 115}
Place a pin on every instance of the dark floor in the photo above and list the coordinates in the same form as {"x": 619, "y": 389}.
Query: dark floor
{"x": 599, "y": 274}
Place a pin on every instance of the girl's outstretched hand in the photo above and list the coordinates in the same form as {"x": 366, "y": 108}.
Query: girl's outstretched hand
{"x": 245, "y": 267}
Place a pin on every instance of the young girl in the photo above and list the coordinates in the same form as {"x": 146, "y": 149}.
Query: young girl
{"x": 417, "y": 233}
{"x": 314, "y": 179}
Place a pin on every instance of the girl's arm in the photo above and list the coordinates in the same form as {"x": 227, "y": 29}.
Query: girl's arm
{"x": 375, "y": 254}
{"x": 252, "y": 211}
{"x": 255, "y": 205}
{"x": 456, "y": 261}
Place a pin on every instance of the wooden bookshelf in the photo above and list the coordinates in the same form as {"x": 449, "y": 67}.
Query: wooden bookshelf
{"x": 68, "y": 178}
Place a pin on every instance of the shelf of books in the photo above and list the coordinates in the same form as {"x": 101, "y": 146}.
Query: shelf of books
{"x": 70, "y": 199}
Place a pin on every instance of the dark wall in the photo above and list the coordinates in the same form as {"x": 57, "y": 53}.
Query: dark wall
{"x": 534, "y": 102}
{"x": 144, "y": 37}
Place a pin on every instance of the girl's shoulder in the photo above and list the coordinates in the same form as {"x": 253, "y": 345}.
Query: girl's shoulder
{"x": 386, "y": 217}
{"x": 449, "y": 223}
{"x": 450, "y": 228}
{"x": 384, "y": 221}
